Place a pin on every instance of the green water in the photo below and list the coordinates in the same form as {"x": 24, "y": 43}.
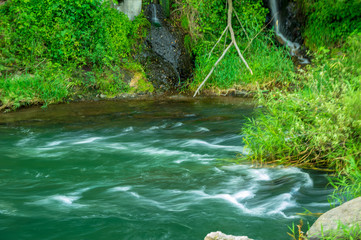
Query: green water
{"x": 143, "y": 170}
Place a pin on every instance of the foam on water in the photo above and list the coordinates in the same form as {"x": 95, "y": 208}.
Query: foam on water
{"x": 201, "y": 143}
{"x": 120, "y": 189}
{"x": 88, "y": 140}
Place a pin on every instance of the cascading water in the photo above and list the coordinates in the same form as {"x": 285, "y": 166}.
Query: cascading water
{"x": 281, "y": 33}
{"x": 155, "y": 19}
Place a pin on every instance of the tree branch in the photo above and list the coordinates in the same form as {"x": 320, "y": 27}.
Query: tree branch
{"x": 214, "y": 66}
{"x": 233, "y": 42}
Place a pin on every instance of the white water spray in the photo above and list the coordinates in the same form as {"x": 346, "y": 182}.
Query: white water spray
{"x": 293, "y": 46}
{"x": 155, "y": 19}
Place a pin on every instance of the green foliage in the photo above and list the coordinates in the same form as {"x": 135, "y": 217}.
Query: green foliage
{"x": 270, "y": 64}
{"x": 318, "y": 124}
{"x": 205, "y": 22}
{"x": 88, "y": 41}
{"x": 78, "y": 32}
{"x": 330, "y": 22}
{"x": 347, "y": 184}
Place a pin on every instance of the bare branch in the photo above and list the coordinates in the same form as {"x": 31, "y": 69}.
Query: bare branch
{"x": 244, "y": 30}
{"x": 214, "y": 66}
{"x": 233, "y": 42}
{"x": 225, "y": 30}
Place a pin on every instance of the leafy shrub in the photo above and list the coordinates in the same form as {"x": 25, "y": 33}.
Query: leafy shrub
{"x": 330, "y": 22}
{"x": 85, "y": 33}
{"x": 51, "y": 50}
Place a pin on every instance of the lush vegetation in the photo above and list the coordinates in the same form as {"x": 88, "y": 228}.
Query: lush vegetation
{"x": 206, "y": 20}
{"x": 330, "y": 22}
{"x": 314, "y": 121}
{"x": 51, "y": 50}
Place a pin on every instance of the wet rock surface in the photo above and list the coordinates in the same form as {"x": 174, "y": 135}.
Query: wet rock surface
{"x": 167, "y": 63}
{"x": 288, "y": 17}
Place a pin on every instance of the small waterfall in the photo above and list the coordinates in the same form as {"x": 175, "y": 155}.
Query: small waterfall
{"x": 155, "y": 19}
{"x": 281, "y": 35}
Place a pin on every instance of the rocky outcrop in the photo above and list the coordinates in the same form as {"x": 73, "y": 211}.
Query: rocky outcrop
{"x": 348, "y": 215}
{"x": 221, "y": 236}
{"x": 164, "y": 56}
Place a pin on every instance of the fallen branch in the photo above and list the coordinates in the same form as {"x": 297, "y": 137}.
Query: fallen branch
{"x": 233, "y": 43}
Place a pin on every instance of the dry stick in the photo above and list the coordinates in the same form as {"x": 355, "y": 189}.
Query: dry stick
{"x": 214, "y": 66}
{"x": 249, "y": 44}
{"x": 225, "y": 41}
{"x": 230, "y": 9}
{"x": 234, "y": 42}
{"x": 219, "y": 39}
{"x": 244, "y": 30}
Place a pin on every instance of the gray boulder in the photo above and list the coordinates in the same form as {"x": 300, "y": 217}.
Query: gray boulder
{"x": 331, "y": 223}
{"x": 221, "y": 236}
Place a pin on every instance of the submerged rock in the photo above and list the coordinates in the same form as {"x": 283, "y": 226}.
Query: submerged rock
{"x": 221, "y": 236}
{"x": 331, "y": 223}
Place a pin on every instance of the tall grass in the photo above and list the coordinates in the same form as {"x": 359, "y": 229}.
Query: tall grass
{"x": 45, "y": 86}
{"x": 317, "y": 121}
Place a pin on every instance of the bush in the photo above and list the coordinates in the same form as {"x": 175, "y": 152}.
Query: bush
{"x": 330, "y": 22}
{"x": 77, "y": 32}
{"x": 54, "y": 49}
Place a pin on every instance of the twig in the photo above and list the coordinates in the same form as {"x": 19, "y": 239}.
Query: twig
{"x": 233, "y": 42}
{"x": 244, "y": 30}
{"x": 230, "y": 9}
{"x": 219, "y": 39}
{"x": 214, "y": 66}
{"x": 249, "y": 44}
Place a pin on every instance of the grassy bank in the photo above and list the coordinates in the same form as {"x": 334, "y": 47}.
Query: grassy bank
{"x": 54, "y": 51}
{"x": 315, "y": 122}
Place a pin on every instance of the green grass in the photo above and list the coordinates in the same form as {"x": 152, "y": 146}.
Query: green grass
{"x": 317, "y": 121}
{"x": 270, "y": 64}
{"x": 44, "y": 87}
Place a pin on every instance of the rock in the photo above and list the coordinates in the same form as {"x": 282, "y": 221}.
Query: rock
{"x": 221, "y": 236}
{"x": 164, "y": 57}
{"x": 348, "y": 215}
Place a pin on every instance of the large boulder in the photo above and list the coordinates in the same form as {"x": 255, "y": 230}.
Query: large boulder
{"x": 332, "y": 223}
{"x": 221, "y": 236}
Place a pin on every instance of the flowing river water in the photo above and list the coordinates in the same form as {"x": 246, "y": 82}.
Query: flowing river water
{"x": 143, "y": 170}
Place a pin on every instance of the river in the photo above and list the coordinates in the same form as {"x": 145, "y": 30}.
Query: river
{"x": 143, "y": 170}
